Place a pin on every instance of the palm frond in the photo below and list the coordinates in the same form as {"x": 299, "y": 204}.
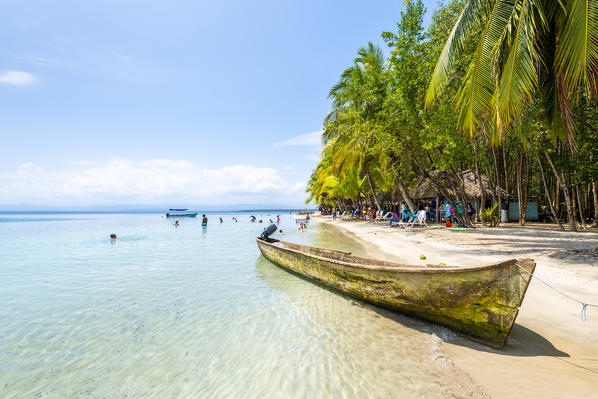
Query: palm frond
{"x": 473, "y": 12}
{"x": 519, "y": 75}
{"x": 475, "y": 96}
{"x": 577, "y": 52}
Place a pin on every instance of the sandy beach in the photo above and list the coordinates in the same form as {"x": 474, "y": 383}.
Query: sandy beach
{"x": 550, "y": 352}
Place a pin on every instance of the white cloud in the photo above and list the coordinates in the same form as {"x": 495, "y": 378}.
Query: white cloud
{"x": 17, "y": 78}
{"x": 148, "y": 182}
{"x": 307, "y": 139}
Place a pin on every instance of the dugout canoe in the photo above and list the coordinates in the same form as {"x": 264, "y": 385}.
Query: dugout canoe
{"x": 479, "y": 302}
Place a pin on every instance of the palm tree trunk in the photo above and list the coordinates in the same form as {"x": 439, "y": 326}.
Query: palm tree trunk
{"x": 595, "y": 195}
{"x": 580, "y": 208}
{"x": 367, "y": 173}
{"x": 406, "y": 196}
{"x": 504, "y": 161}
{"x": 528, "y": 177}
{"x": 557, "y": 194}
{"x": 482, "y": 191}
{"x": 561, "y": 182}
{"x": 554, "y": 215}
{"x": 497, "y": 187}
{"x": 519, "y": 191}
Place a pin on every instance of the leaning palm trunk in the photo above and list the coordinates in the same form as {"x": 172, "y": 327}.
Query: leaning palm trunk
{"x": 520, "y": 192}
{"x": 482, "y": 191}
{"x": 561, "y": 182}
{"x": 497, "y": 186}
{"x": 406, "y": 196}
{"x": 554, "y": 215}
{"x": 367, "y": 173}
{"x": 580, "y": 208}
{"x": 462, "y": 198}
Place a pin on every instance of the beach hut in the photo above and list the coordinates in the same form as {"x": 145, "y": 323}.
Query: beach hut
{"x": 425, "y": 190}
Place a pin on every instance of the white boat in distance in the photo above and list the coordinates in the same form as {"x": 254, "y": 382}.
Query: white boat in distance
{"x": 178, "y": 213}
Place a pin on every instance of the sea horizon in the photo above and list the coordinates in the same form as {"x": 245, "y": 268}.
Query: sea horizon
{"x": 149, "y": 210}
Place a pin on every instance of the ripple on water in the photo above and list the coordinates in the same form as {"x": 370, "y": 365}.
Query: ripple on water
{"x": 191, "y": 312}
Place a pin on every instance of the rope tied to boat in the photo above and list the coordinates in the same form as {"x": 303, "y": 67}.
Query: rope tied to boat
{"x": 584, "y": 305}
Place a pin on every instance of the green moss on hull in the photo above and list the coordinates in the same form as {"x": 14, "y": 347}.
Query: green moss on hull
{"x": 481, "y": 303}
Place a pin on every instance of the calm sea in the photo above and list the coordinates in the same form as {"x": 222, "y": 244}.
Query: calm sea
{"x": 192, "y": 312}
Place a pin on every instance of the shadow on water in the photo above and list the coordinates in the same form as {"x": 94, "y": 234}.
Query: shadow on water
{"x": 522, "y": 341}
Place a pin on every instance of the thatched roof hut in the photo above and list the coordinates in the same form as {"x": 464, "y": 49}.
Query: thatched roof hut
{"x": 425, "y": 188}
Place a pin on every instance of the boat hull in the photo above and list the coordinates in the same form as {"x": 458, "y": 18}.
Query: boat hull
{"x": 181, "y": 215}
{"x": 480, "y": 302}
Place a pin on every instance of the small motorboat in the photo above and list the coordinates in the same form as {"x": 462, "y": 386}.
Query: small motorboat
{"x": 179, "y": 213}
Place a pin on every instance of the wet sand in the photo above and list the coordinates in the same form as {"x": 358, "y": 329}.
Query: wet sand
{"x": 550, "y": 352}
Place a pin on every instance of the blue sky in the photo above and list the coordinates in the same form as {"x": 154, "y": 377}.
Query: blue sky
{"x": 193, "y": 102}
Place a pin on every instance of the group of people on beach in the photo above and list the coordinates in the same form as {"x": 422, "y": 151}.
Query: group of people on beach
{"x": 425, "y": 211}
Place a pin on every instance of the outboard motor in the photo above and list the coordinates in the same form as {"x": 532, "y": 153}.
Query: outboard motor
{"x": 268, "y": 231}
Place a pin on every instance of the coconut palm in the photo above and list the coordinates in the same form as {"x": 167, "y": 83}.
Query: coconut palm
{"x": 359, "y": 93}
{"x": 525, "y": 47}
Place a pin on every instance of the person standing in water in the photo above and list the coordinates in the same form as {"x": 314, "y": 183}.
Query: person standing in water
{"x": 204, "y": 220}
{"x": 221, "y": 220}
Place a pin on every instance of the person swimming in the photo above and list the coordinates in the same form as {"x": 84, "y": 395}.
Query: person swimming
{"x": 176, "y": 223}
{"x": 221, "y": 220}
{"x": 280, "y": 232}
{"x": 204, "y": 220}
{"x": 113, "y": 236}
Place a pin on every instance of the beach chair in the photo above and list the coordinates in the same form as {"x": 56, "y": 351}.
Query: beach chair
{"x": 417, "y": 220}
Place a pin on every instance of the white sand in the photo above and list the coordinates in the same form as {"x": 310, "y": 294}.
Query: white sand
{"x": 550, "y": 352}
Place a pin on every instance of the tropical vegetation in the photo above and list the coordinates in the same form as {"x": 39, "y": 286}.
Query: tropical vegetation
{"x": 507, "y": 89}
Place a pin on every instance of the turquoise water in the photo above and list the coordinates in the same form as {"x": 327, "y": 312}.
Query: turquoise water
{"x": 186, "y": 311}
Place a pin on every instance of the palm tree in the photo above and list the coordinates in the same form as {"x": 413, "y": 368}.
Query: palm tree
{"x": 525, "y": 48}
{"x": 359, "y": 93}
{"x": 348, "y": 128}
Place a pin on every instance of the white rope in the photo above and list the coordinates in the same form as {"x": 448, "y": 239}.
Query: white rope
{"x": 584, "y": 305}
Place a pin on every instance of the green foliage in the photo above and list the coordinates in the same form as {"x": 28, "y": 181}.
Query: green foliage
{"x": 490, "y": 215}
{"x": 497, "y": 75}
{"x": 523, "y": 46}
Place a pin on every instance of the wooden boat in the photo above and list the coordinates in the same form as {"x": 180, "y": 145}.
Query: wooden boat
{"x": 480, "y": 302}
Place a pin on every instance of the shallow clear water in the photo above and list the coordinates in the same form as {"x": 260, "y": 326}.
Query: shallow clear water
{"x": 187, "y": 311}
